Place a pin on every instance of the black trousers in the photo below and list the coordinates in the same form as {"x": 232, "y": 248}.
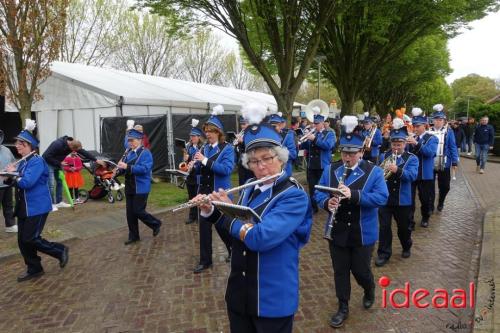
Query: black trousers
{"x": 136, "y": 210}
{"x": 402, "y": 216}
{"x": 351, "y": 259}
{"x": 313, "y": 177}
{"x": 239, "y": 323}
{"x": 7, "y": 202}
{"x": 205, "y": 228}
{"x": 444, "y": 178}
{"x": 30, "y": 241}
{"x": 425, "y": 189}
{"x": 192, "y": 191}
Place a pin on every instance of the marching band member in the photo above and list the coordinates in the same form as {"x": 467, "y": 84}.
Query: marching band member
{"x": 355, "y": 224}
{"x": 33, "y": 204}
{"x": 216, "y": 165}
{"x": 194, "y": 145}
{"x": 424, "y": 146}
{"x": 243, "y": 173}
{"x": 288, "y": 139}
{"x": 137, "y": 165}
{"x": 400, "y": 171}
{"x": 371, "y": 152}
{"x": 262, "y": 292}
{"x": 446, "y": 156}
{"x": 319, "y": 146}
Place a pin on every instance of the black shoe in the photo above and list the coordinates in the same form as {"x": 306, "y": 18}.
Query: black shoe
{"x": 424, "y": 223}
{"x": 381, "y": 261}
{"x": 64, "y": 257}
{"x": 28, "y": 276}
{"x": 369, "y": 298}
{"x": 156, "y": 231}
{"x": 406, "y": 254}
{"x": 338, "y": 319}
{"x": 131, "y": 241}
{"x": 200, "y": 268}
{"x": 440, "y": 208}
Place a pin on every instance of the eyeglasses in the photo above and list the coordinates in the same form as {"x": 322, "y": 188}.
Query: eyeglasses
{"x": 263, "y": 161}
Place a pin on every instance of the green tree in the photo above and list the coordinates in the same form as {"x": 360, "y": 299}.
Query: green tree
{"x": 363, "y": 36}
{"x": 480, "y": 87}
{"x": 30, "y": 38}
{"x": 279, "y": 37}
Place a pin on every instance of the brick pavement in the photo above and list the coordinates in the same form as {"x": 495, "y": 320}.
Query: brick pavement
{"x": 150, "y": 287}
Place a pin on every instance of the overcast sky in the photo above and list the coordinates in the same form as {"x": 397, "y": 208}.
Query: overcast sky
{"x": 477, "y": 50}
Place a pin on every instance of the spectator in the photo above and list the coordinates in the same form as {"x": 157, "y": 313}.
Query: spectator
{"x": 459, "y": 135}
{"x": 6, "y": 193}
{"x": 72, "y": 167}
{"x": 484, "y": 136}
{"x": 469, "y": 128}
{"x": 54, "y": 155}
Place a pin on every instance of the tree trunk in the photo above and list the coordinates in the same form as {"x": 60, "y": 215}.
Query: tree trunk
{"x": 25, "y": 108}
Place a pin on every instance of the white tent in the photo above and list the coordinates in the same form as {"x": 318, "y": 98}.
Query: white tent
{"x": 76, "y": 97}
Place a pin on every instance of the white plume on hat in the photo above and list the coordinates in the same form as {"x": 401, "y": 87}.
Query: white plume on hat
{"x": 194, "y": 122}
{"x": 350, "y": 123}
{"x": 416, "y": 112}
{"x": 438, "y": 107}
{"x": 253, "y": 112}
{"x": 316, "y": 110}
{"x": 397, "y": 123}
{"x": 367, "y": 114}
{"x": 30, "y": 125}
{"x": 130, "y": 124}
{"x": 218, "y": 110}
{"x": 280, "y": 114}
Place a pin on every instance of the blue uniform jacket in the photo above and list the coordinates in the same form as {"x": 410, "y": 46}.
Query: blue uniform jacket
{"x": 33, "y": 194}
{"x": 219, "y": 167}
{"x": 425, "y": 150}
{"x": 399, "y": 184}
{"x": 138, "y": 173}
{"x": 450, "y": 149}
{"x": 376, "y": 142}
{"x": 356, "y": 221}
{"x": 325, "y": 142}
{"x": 289, "y": 143}
{"x": 264, "y": 277}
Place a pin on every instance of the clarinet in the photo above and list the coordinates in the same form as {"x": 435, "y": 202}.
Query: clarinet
{"x": 333, "y": 212}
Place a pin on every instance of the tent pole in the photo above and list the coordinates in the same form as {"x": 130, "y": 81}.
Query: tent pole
{"x": 170, "y": 143}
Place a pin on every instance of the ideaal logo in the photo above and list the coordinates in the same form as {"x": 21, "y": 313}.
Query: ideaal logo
{"x": 423, "y": 298}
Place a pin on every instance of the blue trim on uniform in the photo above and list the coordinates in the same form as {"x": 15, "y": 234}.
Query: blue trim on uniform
{"x": 141, "y": 169}
{"x": 326, "y": 143}
{"x": 289, "y": 143}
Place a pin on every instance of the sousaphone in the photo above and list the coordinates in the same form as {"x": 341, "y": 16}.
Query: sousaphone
{"x": 324, "y": 110}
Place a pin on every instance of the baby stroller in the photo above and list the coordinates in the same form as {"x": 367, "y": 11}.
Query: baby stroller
{"x": 105, "y": 183}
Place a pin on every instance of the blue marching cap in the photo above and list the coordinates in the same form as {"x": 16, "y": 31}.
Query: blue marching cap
{"x": 438, "y": 115}
{"x": 398, "y": 134}
{"x": 28, "y": 137}
{"x": 318, "y": 118}
{"x": 214, "y": 120}
{"x": 275, "y": 119}
{"x": 134, "y": 134}
{"x": 419, "y": 120}
{"x": 261, "y": 135}
{"x": 195, "y": 131}
{"x": 350, "y": 139}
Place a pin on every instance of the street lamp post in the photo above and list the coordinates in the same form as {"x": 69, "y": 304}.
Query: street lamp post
{"x": 319, "y": 58}
{"x": 468, "y": 101}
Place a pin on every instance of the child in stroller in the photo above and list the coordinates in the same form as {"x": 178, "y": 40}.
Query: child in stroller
{"x": 105, "y": 183}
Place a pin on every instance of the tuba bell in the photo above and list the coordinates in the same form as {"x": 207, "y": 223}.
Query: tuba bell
{"x": 323, "y": 107}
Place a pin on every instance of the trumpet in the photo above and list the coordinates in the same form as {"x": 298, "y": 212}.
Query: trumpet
{"x": 238, "y": 137}
{"x": 306, "y": 136}
{"x": 388, "y": 161}
{"x": 191, "y": 204}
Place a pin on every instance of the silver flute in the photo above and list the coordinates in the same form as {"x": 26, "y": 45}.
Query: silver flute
{"x": 333, "y": 212}
{"x": 20, "y": 160}
{"x": 191, "y": 204}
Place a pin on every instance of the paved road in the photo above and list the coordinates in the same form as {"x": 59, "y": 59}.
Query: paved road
{"x": 149, "y": 287}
